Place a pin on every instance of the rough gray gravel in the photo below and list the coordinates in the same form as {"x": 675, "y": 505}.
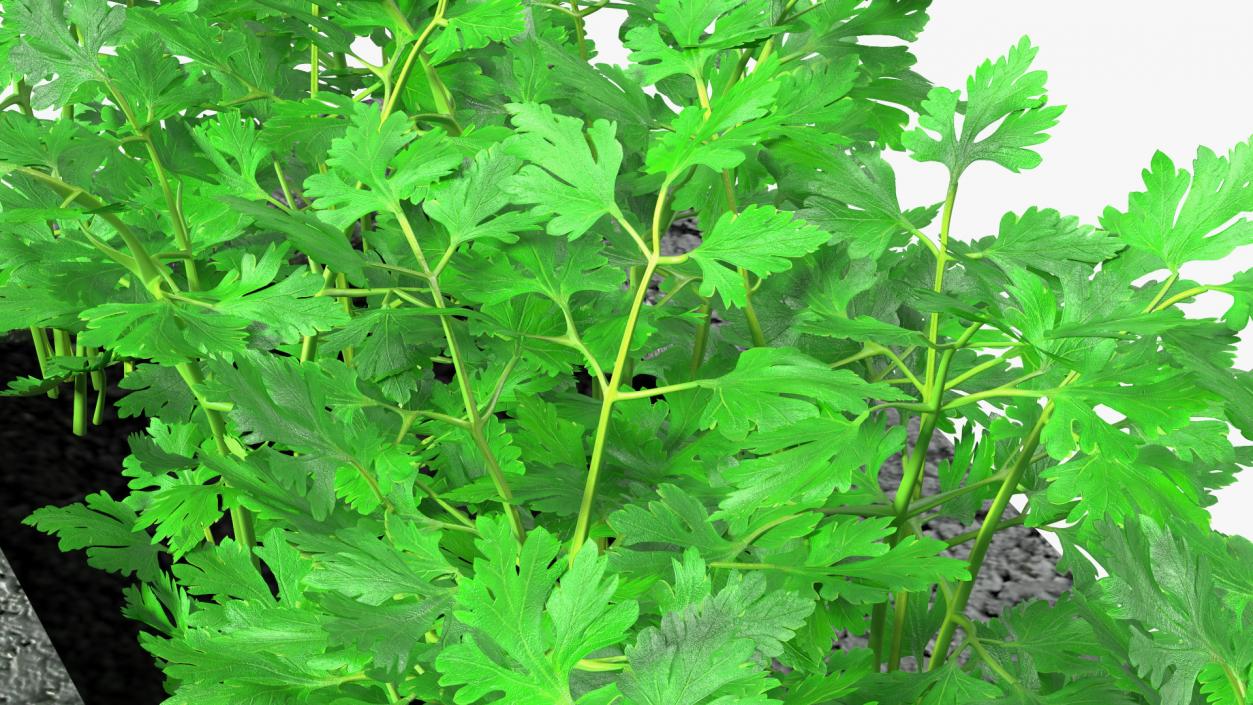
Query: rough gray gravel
{"x": 1020, "y": 565}
{"x": 31, "y": 673}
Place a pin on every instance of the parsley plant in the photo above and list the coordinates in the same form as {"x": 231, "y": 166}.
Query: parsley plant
{"x": 419, "y": 432}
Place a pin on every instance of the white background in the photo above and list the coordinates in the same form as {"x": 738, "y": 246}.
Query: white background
{"x": 1136, "y": 76}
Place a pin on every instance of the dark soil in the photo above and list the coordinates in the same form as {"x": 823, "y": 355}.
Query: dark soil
{"x": 81, "y": 607}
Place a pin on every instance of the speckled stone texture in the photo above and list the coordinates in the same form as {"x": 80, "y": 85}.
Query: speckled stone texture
{"x": 31, "y": 673}
{"x": 1020, "y": 565}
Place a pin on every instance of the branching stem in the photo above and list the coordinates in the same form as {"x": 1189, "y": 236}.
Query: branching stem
{"x": 612, "y": 392}
{"x": 475, "y": 421}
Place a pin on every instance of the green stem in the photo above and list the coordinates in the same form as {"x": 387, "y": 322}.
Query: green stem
{"x": 750, "y": 313}
{"x": 963, "y": 538}
{"x": 702, "y": 336}
{"x": 608, "y": 663}
{"x": 728, "y": 185}
{"x": 414, "y": 55}
{"x": 861, "y": 510}
{"x": 152, "y": 272}
{"x": 878, "y": 621}
{"x": 442, "y": 96}
{"x": 992, "y": 521}
{"x": 149, "y": 269}
{"x": 901, "y": 607}
{"x": 308, "y": 347}
{"x": 453, "y": 511}
{"x": 932, "y": 394}
{"x": 313, "y": 64}
{"x": 611, "y": 395}
{"x": 99, "y": 385}
{"x": 499, "y": 388}
{"x": 241, "y": 518}
{"x": 289, "y": 198}
{"x": 61, "y": 346}
{"x": 941, "y": 263}
{"x": 630, "y": 229}
{"x": 915, "y": 463}
{"x": 996, "y": 667}
{"x": 937, "y": 500}
{"x": 463, "y": 382}
{"x": 757, "y": 533}
{"x": 865, "y": 352}
{"x": 1237, "y": 683}
{"x": 374, "y": 486}
{"x": 181, "y": 235}
{"x": 1181, "y": 296}
{"x": 900, "y": 506}
{"x": 900, "y": 364}
{"x": 80, "y": 393}
{"x": 658, "y": 391}
{"x": 921, "y": 236}
{"x": 42, "y": 353}
{"x": 957, "y": 606}
{"x": 580, "y": 32}
{"x": 664, "y": 260}
{"x": 1163, "y": 290}
{"x": 980, "y": 368}
{"x": 917, "y": 460}
{"x": 635, "y": 275}
{"x": 992, "y": 394}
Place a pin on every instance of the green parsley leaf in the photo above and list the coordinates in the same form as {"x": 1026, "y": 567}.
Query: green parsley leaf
{"x": 1045, "y": 240}
{"x": 954, "y": 686}
{"x": 760, "y": 239}
{"x": 717, "y": 140}
{"x": 232, "y": 136}
{"x": 469, "y": 207}
{"x": 564, "y": 177}
{"x": 164, "y": 332}
{"x": 107, "y": 529}
{"x": 48, "y": 49}
{"x": 389, "y": 159}
{"x": 1162, "y": 586}
{"x": 528, "y": 629}
{"x": 224, "y": 571}
{"x": 302, "y": 421}
{"x": 773, "y": 388}
{"x": 854, "y": 198}
{"x": 1005, "y": 91}
{"x": 373, "y": 570}
{"x": 1182, "y": 217}
{"x": 676, "y": 518}
{"x": 704, "y": 648}
{"x": 473, "y": 25}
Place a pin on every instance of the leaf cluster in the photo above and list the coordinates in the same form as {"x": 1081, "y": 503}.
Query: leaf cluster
{"x": 438, "y": 414}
